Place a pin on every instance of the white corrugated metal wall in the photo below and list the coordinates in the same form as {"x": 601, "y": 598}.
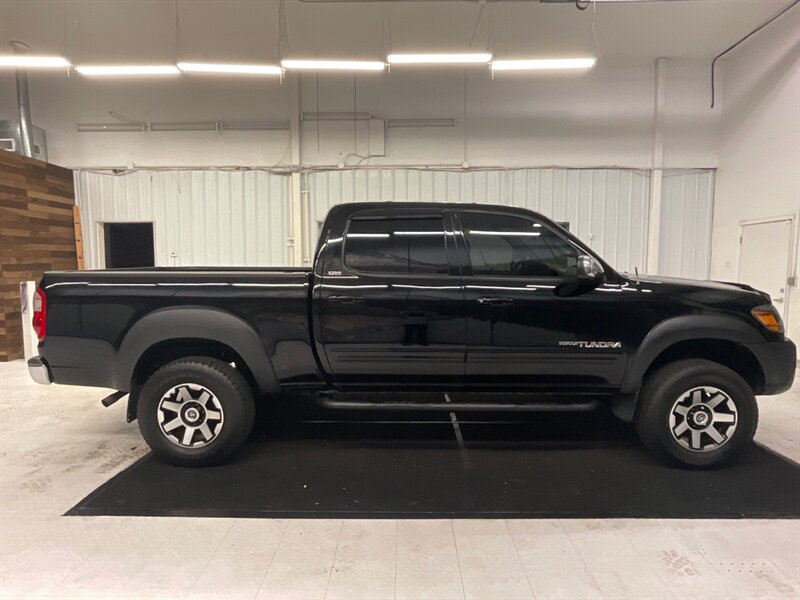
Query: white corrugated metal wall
{"x": 200, "y": 217}
{"x": 608, "y": 208}
{"x": 219, "y": 217}
{"x": 687, "y": 200}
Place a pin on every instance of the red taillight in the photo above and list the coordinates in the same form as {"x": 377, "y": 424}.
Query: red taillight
{"x": 40, "y": 314}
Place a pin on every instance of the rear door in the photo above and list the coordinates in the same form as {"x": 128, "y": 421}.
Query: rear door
{"x": 522, "y": 333}
{"x": 392, "y": 300}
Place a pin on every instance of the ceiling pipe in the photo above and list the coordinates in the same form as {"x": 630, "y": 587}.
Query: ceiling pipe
{"x": 530, "y": 1}
{"x": 589, "y": 2}
{"x": 746, "y": 37}
{"x": 24, "y": 103}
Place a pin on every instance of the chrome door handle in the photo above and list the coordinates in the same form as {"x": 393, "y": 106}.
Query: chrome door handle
{"x": 346, "y": 299}
{"x": 494, "y": 301}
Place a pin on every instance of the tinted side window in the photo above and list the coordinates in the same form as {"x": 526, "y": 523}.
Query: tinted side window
{"x": 403, "y": 246}
{"x": 506, "y": 245}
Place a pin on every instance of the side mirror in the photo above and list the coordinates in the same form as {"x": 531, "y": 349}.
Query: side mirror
{"x": 589, "y": 269}
{"x": 588, "y": 275}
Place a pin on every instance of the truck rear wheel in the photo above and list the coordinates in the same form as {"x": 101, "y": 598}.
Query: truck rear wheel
{"x": 696, "y": 412}
{"x": 196, "y": 411}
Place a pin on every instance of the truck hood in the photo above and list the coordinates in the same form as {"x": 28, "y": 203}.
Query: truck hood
{"x": 703, "y": 289}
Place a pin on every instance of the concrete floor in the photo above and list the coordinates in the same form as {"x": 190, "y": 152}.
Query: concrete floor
{"x": 57, "y": 444}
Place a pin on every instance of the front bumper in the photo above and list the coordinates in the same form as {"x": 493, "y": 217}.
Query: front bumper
{"x": 779, "y": 364}
{"x": 38, "y": 370}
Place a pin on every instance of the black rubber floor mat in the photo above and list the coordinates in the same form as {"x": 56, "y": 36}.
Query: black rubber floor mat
{"x": 413, "y": 466}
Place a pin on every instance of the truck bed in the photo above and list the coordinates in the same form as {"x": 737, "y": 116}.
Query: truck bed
{"x": 91, "y": 315}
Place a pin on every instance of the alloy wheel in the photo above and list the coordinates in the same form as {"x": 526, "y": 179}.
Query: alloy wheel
{"x": 703, "y": 419}
{"x": 190, "y": 415}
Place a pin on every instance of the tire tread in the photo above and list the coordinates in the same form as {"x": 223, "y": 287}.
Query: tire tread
{"x": 648, "y": 419}
{"x": 214, "y": 453}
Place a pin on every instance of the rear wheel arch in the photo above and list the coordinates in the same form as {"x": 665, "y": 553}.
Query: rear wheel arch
{"x": 174, "y": 333}
{"x": 167, "y": 351}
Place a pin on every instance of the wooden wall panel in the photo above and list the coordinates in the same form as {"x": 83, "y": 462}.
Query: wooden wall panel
{"x": 37, "y": 234}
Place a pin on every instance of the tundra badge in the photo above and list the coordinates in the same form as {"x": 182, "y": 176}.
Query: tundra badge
{"x": 591, "y": 344}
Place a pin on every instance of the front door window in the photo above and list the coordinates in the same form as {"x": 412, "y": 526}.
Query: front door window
{"x": 511, "y": 246}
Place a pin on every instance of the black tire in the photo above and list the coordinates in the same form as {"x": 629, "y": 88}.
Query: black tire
{"x": 231, "y": 397}
{"x": 658, "y": 403}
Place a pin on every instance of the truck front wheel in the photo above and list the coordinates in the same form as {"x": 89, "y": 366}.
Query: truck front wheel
{"x": 696, "y": 412}
{"x": 196, "y": 411}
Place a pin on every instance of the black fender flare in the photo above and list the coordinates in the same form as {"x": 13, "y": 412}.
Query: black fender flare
{"x": 195, "y": 322}
{"x": 673, "y": 331}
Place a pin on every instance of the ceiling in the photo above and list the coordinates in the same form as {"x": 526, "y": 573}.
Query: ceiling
{"x": 144, "y": 31}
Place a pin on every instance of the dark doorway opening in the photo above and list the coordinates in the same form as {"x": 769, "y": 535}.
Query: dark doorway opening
{"x": 129, "y": 245}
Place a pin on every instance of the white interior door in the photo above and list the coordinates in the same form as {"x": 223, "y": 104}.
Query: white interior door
{"x": 764, "y": 258}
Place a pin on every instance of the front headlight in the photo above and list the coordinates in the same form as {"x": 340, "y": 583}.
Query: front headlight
{"x": 769, "y": 317}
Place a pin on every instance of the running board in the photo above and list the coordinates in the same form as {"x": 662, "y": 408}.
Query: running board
{"x": 584, "y": 406}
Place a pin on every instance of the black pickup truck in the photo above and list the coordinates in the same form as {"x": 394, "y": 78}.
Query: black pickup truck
{"x": 479, "y": 301}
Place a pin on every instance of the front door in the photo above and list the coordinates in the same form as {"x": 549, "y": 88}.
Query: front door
{"x": 520, "y": 332}
{"x": 391, "y": 307}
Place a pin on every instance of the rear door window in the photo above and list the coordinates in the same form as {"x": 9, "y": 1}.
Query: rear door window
{"x": 404, "y": 246}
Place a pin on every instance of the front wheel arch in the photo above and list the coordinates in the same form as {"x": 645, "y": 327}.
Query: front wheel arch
{"x": 683, "y": 332}
{"x": 730, "y": 354}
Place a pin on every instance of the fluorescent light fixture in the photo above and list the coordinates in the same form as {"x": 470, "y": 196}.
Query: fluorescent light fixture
{"x": 254, "y": 125}
{"x": 333, "y": 65}
{"x": 110, "y": 127}
{"x": 470, "y": 58}
{"x": 335, "y": 116}
{"x": 184, "y": 126}
{"x": 543, "y": 64}
{"x": 232, "y": 69}
{"x": 126, "y": 70}
{"x": 420, "y": 122}
{"x": 24, "y": 61}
